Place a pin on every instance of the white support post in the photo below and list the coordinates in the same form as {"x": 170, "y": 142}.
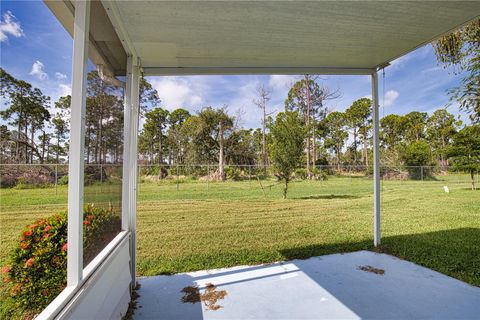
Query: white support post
{"x": 77, "y": 143}
{"x": 134, "y": 96}
{"x": 376, "y": 160}
{"x": 127, "y": 110}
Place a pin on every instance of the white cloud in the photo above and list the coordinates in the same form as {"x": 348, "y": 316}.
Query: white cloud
{"x": 64, "y": 90}
{"x": 10, "y": 26}
{"x": 397, "y": 63}
{"x": 281, "y": 82}
{"x": 390, "y": 97}
{"x": 60, "y": 76}
{"x": 415, "y": 55}
{"x": 37, "y": 71}
{"x": 240, "y": 102}
{"x": 177, "y": 92}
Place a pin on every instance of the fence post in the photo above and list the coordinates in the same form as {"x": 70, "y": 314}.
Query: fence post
{"x": 421, "y": 172}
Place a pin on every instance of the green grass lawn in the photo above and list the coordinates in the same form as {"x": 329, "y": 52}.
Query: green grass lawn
{"x": 204, "y": 225}
{"x": 226, "y": 224}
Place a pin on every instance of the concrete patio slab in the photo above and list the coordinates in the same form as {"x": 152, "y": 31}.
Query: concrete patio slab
{"x": 325, "y": 287}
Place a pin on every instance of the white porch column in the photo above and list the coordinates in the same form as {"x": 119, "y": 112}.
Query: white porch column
{"x": 132, "y": 90}
{"x": 76, "y": 155}
{"x": 127, "y": 121}
{"x": 376, "y": 160}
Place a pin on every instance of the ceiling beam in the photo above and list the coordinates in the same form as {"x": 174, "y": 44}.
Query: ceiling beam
{"x": 189, "y": 71}
{"x": 114, "y": 16}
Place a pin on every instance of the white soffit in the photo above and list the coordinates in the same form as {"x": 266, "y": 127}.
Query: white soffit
{"x": 282, "y": 37}
{"x": 105, "y": 48}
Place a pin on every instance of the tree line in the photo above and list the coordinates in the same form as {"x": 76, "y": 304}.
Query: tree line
{"x": 212, "y": 135}
{"x": 36, "y": 132}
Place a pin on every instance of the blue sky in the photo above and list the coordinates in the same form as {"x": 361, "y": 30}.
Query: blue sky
{"x": 36, "y": 48}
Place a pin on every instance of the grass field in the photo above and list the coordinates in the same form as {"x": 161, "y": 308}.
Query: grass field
{"x": 209, "y": 225}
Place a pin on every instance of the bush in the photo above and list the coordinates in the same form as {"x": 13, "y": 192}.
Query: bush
{"x": 319, "y": 174}
{"x": 150, "y": 170}
{"x": 300, "y": 173}
{"x": 233, "y": 173}
{"x": 63, "y": 181}
{"x": 100, "y": 227}
{"x": 417, "y": 153}
{"x": 7, "y": 179}
{"x": 94, "y": 174}
{"x": 37, "y": 268}
{"x": 26, "y": 176}
{"x": 34, "y": 178}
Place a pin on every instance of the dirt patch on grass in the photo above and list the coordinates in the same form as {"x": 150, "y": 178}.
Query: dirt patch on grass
{"x": 372, "y": 270}
{"x": 210, "y": 297}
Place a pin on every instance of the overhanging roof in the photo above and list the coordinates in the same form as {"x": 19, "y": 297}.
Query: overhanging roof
{"x": 288, "y": 37}
{"x": 105, "y": 47}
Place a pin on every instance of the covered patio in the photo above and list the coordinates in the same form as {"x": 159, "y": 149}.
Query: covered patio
{"x": 358, "y": 285}
{"x": 125, "y": 39}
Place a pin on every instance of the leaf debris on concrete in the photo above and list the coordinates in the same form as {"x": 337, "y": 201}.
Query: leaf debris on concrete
{"x": 371, "y": 269}
{"x": 210, "y": 297}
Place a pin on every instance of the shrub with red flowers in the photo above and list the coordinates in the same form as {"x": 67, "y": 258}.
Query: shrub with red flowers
{"x": 37, "y": 269}
{"x": 99, "y": 227}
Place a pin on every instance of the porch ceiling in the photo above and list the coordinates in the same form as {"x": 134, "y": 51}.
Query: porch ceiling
{"x": 223, "y": 37}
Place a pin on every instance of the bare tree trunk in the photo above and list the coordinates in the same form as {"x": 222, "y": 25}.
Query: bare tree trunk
{"x": 160, "y": 150}
{"x": 263, "y": 98}
{"x": 32, "y": 139}
{"x": 285, "y": 189}
{"x": 100, "y": 160}
{"x": 178, "y": 158}
{"x": 87, "y": 143}
{"x": 264, "y": 149}
{"x": 153, "y": 153}
{"x": 17, "y": 144}
{"x": 355, "y": 145}
{"x": 338, "y": 157}
{"x": 472, "y": 175}
{"x": 221, "y": 169}
{"x": 26, "y": 144}
{"x": 43, "y": 145}
{"x": 48, "y": 151}
{"x": 58, "y": 147}
{"x": 442, "y": 157}
{"x": 96, "y": 149}
{"x": 307, "y": 79}
{"x": 365, "y": 147}
{"x": 314, "y": 138}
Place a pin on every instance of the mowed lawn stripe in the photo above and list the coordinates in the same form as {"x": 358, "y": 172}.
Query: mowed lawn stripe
{"x": 236, "y": 223}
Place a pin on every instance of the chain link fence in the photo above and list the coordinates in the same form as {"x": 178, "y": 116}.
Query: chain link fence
{"x": 103, "y": 181}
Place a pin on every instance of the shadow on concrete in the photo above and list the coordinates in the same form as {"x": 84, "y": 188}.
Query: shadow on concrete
{"x": 160, "y": 297}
